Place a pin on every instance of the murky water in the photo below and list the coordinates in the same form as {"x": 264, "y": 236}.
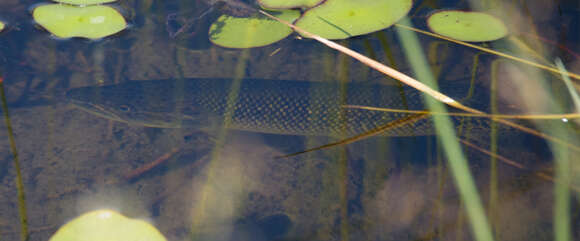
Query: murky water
{"x": 213, "y": 184}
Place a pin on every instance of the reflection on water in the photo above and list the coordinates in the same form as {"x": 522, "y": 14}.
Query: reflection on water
{"x": 189, "y": 187}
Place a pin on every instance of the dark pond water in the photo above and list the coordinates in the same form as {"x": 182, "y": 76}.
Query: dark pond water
{"x": 176, "y": 166}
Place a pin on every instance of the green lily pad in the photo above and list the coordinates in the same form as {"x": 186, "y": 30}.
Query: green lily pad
{"x": 339, "y": 19}
{"x": 467, "y": 26}
{"x": 93, "y": 22}
{"x": 235, "y": 32}
{"x": 287, "y": 4}
{"x": 107, "y": 225}
{"x": 84, "y": 2}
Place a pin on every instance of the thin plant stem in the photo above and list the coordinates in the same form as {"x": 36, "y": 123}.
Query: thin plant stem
{"x": 493, "y": 176}
{"x": 420, "y": 86}
{"x": 573, "y": 92}
{"x": 446, "y": 134}
{"x": 391, "y": 125}
{"x": 562, "y": 219}
{"x": 201, "y": 215}
{"x": 381, "y": 68}
{"x": 24, "y": 234}
{"x": 507, "y": 56}
{"x": 482, "y": 115}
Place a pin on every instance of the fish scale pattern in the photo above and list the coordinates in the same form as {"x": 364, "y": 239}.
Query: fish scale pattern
{"x": 268, "y": 106}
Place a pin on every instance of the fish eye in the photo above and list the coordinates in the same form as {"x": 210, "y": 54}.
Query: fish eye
{"x": 124, "y": 108}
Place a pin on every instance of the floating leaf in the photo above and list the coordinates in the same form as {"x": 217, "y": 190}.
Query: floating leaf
{"x": 339, "y": 19}
{"x": 467, "y": 26}
{"x": 235, "y": 32}
{"x": 107, "y": 225}
{"x": 84, "y": 2}
{"x": 65, "y": 21}
{"x": 287, "y": 4}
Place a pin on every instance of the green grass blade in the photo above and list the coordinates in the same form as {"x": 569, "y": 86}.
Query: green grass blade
{"x": 562, "y": 229}
{"x": 24, "y": 234}
{"x": 446, "y": 134}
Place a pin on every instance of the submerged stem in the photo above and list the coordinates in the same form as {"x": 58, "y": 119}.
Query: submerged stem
{"x": 24, "y": 235}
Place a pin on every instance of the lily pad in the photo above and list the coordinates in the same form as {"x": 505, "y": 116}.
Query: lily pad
{"x": 107, "y": 225}
{"x": 84, "y": 2}
{"x": 467, "y": 26}
{"x": 256, "y": 31}
{"x": 287, "y": 4}
{"x": 339, "y": 19}
{"x": 65, "y": 21}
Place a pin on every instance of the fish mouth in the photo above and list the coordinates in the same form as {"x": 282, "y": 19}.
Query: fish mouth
{"x": 95, "y": 109}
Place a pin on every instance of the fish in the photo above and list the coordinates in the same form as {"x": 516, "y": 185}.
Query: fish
{"x": 285, "y": 107}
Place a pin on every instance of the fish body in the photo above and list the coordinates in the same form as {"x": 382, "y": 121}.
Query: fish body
{"x": 267, "y": 106}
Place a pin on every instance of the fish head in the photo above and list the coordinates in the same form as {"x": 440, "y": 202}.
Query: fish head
{"x": 139, "y": 104}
